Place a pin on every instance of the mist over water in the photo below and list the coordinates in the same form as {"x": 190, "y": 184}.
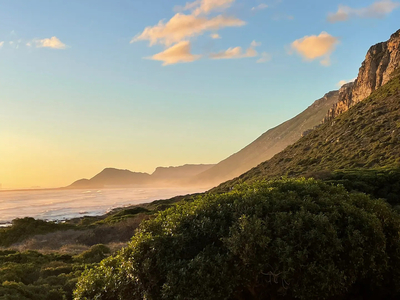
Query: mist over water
{"x": 65, "y": 204}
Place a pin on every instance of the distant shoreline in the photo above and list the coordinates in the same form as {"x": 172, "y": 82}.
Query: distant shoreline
{"x": 30, "y": 190}
{"x": 105, "y": 187}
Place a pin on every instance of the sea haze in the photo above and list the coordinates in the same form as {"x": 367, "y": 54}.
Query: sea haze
{"x": 66, "y": 204}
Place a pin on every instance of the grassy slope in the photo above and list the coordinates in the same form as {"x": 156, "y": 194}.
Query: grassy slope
{"x": 365, "y": 137}
{"x": 270, "y": 143}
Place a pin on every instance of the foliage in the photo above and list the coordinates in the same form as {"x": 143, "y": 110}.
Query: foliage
{"x": 379, "y": 183}
{"x": 96, "y": 254}
{"x": 277, "y": 240}
{"x": 123, "y": 215}
{"x": 367, "y": 136}
{"x": 27, "y": 227}
{"x": 34, "y": 276}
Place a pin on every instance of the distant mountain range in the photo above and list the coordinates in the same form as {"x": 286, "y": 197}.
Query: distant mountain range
{"x": 162, "y": 176}
{"x": 266, "y": 146}
{"x": 380, "y": 66}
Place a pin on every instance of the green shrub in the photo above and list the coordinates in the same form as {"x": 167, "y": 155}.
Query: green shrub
{"x": 27, "y": 227}
{"x": 287, "y": 239}
{"x": 94, "y": 255}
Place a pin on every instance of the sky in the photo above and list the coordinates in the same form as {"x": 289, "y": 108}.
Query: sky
{"x": 137, "y": 84}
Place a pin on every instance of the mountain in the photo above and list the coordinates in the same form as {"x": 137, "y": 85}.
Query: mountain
{"x": 367, "y": 136}
{"x": 270, "y": 143}
{"x": 380, "y": 62}
{"x": 162, "y": 176}
{"x": 113, "y": 177}
{"x": 178, "y": 173}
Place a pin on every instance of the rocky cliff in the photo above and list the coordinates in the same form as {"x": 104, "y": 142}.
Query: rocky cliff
{"x": 380, "y": 62}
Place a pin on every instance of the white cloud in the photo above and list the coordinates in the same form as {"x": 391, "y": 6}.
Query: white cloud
{"x": 343, "y": 82}
{"x": 52, "y": 42}
{"x": 234, "y": 53}
{"x": 255, "y": 44}
{"x": 182, "y": 27}
{"x": 265, "y": 57}
{"x": 376, "y": 10}
{"x": 1, "y": 44}
{"x": 260, "y": 7}
{"x": 179, "y": 53}
{"x": 177, "y": 32}
{"x": 313, "y": 47}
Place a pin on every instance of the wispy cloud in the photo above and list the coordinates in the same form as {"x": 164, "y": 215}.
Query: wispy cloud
{"x": 265, "y": 57}
{"x": 260, "y": 7}
{"x": 215, "y": 36}
{"x": 343, "y": 82}
{"x": 191, "y": 20}
{"x": 52, "y": 42}
{"x": 313, "y": 47}
{"x": 376, "y": 10}
{"x": 234, "y": 53}
{"x": 255, "y": 44}
{"x": 179, "y": 53}
{"x": 205, "y": 6}
{"x": 182, "y": 27}
{"x": 1, "y": 44}
{"x": 237, "y": 52}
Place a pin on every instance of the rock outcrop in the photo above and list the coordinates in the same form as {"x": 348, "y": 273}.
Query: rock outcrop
{"x": 380, "y": 62}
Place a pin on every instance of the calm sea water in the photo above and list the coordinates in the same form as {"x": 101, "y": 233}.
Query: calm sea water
{"x": 66, "y": 204}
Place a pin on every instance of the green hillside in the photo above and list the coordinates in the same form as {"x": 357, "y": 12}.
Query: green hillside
{"x": 270, "y": 143}
{"x": 365, "y": 137}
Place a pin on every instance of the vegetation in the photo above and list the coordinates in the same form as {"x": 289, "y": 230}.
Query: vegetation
{"x": 50, "y": 275}
{"x": 367, "y": 136}
{"x": 323, "y": 238}
{"x": 27, "y": 227}
{"x": 269, "y": 240}
{"x": 379, "y": 183}
{"x": 31, "y": 275}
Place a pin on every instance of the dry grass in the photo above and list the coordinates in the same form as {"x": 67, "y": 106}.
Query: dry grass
{"x": 115, "y": 236}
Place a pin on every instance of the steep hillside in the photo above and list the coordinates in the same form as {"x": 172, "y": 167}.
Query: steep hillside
{"x": 270, "y": 143}
{"x": 366, "y": 136}
{"x": 380, "y": 62}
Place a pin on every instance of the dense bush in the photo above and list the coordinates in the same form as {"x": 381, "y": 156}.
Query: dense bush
{"x": 286, "y": 239}
{"x": 379, "y": 183}
{"x": 27, "y": 227}
{"x": 94, "y": 255}
{"x": 33, "y": 276}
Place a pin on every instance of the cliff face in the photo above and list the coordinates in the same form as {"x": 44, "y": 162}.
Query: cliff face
{"x": 380, "y": 62}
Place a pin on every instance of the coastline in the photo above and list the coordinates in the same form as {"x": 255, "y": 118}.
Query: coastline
{"x": 77, "y": 204}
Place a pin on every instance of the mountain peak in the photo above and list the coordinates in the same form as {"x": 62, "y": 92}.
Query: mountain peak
{"x": 381, "y": 61}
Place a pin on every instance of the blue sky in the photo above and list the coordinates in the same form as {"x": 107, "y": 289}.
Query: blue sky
{"x": 81, "y": 88}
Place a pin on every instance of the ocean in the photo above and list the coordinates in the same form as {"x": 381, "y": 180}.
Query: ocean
{"x": 58, "y": 205}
